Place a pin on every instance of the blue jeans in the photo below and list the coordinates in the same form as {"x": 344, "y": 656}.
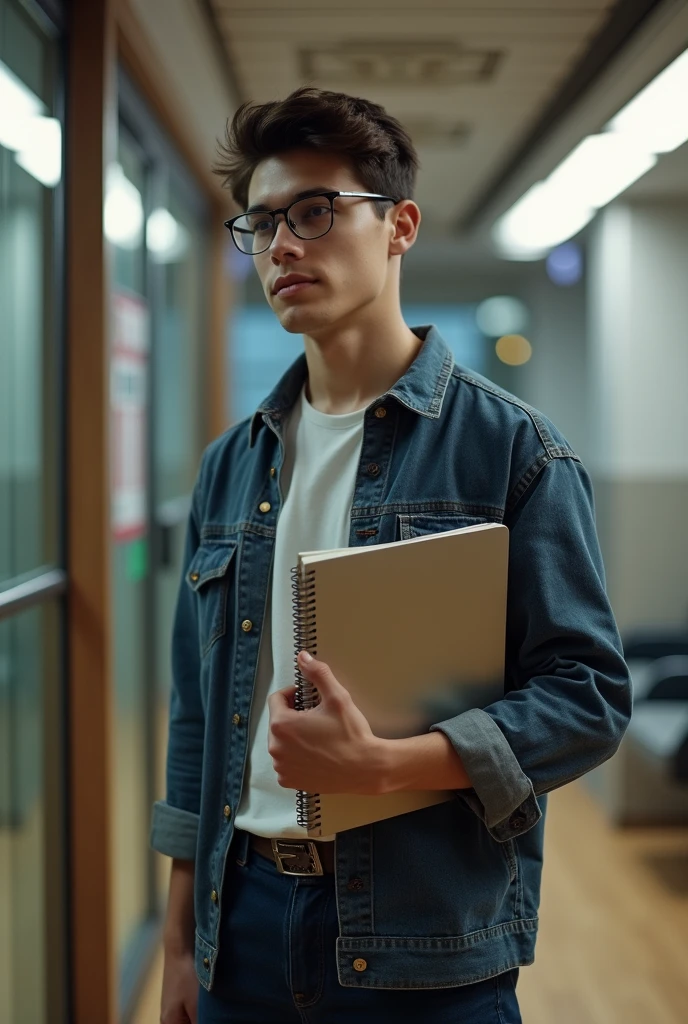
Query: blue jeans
{"x": 276, "y": 962}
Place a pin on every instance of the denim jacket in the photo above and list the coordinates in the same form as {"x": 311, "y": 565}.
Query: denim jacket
{"x": 447, "y": 895}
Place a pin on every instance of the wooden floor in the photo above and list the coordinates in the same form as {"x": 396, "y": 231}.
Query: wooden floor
{"x": 613, "y": 940}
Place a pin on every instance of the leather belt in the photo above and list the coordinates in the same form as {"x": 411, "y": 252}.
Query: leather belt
{"x": 296, "y": 856}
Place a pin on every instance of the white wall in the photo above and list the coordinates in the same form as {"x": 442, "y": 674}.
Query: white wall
{"x": 638, "y": 336}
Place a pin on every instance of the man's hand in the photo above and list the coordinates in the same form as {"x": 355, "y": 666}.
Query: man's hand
{"x": 179, "y": 1002}
{"x": 326, "y": 749}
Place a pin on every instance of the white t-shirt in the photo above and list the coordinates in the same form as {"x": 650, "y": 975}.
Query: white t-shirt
{"x": 317, "y": 481}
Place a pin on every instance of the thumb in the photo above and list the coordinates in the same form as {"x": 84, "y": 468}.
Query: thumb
{"x": 319, "y": 673}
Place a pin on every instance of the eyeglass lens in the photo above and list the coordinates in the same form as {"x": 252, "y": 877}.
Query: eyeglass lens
{"x": 309, "y": 218}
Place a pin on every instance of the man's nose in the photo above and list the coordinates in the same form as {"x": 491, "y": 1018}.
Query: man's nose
{"x": 285, "y": 244}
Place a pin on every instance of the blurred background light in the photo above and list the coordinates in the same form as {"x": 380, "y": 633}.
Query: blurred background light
{"x": 17, "y": 105}
{"x": 564, "y": 264}
{"x": 514, "y": 349}
{"x": 41, "y": 151}
{"x": 501, "y": 314}
{"x": 36, "y": 140}
{"x": 166, "y": 239}
{"x": 123, "y": 210}
{"x": 657, "y": 118}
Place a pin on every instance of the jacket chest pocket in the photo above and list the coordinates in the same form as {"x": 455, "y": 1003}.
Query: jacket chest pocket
{"x": 418, "y": 524}
{"x": 209, "y": 576}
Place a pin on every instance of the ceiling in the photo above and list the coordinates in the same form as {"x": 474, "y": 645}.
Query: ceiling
{"x": 668, "y": 179}
{"x": 469, "y": 78}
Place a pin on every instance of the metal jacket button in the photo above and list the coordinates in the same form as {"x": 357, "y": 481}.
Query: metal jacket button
{"x": 236, "y": 719}
{"x": 247, "y": 625}
{"x": 380, "y": 412}
{"x": 360, "y": 965}
{"x": 373, "y": 468}
{"x": 265, "y": 506}
{"x": 227, "y": 811}
{"x": 213, "y": 896}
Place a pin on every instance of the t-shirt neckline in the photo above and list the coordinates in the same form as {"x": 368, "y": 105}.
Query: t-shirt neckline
{"x": 330, "y": 421}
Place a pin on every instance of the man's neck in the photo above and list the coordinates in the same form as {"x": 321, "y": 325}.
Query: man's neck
{"x": 350, "y": 367}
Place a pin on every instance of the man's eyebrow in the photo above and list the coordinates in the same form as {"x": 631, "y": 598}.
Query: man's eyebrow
{"x": 316, "y": 190}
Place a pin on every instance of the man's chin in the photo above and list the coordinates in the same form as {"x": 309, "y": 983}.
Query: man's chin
{"x": 297, "y": 320}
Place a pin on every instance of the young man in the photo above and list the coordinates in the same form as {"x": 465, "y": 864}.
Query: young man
{"x": 427, "y": 916}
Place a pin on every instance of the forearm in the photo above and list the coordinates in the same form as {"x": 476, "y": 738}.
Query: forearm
{"x": 180, "y": 922}
{"x": 421, "y": 762}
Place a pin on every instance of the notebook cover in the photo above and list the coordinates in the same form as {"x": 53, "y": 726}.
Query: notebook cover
{"x": 415, "y": 630}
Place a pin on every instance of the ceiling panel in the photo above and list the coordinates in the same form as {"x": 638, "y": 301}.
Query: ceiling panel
{"x": 545, "y": 8}
{"x": 384, "y": 51}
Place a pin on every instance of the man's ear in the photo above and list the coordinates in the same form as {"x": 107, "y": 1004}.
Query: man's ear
{"x": 405, "y": 221}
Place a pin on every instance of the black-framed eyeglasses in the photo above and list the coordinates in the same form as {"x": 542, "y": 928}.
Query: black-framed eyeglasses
{"x": 307, "y": 218}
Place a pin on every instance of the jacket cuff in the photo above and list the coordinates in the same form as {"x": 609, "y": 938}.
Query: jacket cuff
{"x": 174, "y": 831}
{"x": 502, "y": 795}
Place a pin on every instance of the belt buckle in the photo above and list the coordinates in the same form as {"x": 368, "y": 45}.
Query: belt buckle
{"x": 303, "y": 852}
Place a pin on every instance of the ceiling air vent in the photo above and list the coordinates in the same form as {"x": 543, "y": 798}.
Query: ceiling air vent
{"x": 429, "y": 131}
{"x": 389, "y": 62}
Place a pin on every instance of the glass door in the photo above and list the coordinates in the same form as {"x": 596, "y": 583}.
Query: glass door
{"x": 33, "y": 933}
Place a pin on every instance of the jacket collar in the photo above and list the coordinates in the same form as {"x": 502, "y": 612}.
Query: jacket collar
{"x": 421, "y": 388}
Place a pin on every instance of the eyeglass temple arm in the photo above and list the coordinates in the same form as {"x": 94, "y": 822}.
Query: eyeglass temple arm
{"x": 368, "y": 195}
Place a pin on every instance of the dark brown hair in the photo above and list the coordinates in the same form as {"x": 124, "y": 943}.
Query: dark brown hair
{"x": 375, "y": 144}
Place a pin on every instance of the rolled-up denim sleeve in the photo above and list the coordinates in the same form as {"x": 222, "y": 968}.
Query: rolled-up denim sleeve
{"x": 174, "y": 823}
{"x": 568, "y": 697}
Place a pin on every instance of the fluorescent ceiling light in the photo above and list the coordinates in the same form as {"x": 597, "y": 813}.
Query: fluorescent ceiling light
{"x": 657, "y": 118}
{"x": 554, "y": 210}
{"x": 600, "y": 168}
{"x": 539, "y": 221}
{"x": 123, "y": 210}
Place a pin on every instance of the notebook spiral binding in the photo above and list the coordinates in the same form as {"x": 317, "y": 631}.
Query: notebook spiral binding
{"x": 305, "y": 638}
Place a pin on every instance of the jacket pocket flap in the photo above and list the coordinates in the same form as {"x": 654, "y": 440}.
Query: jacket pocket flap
{"x": 209, "y": 563}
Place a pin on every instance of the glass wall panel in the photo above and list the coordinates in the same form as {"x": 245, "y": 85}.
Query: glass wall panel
{"x": 33, "y": 956}
{"x": 124, "y": 223}
{"x": 30, "y": 170}
{"x": 29, "y": 681}
{"x": 178, "y": 436}
{"x": 177, "y": 370}
{"x": 154, "y": 219}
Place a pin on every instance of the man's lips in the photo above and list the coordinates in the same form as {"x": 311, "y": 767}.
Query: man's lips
{"x": 291, "y": 285}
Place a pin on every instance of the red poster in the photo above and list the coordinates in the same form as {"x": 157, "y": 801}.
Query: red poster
{"x": 129, "y": 411}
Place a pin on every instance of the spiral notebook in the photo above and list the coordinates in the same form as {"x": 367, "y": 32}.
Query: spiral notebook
{"x": 415, "y": 630}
